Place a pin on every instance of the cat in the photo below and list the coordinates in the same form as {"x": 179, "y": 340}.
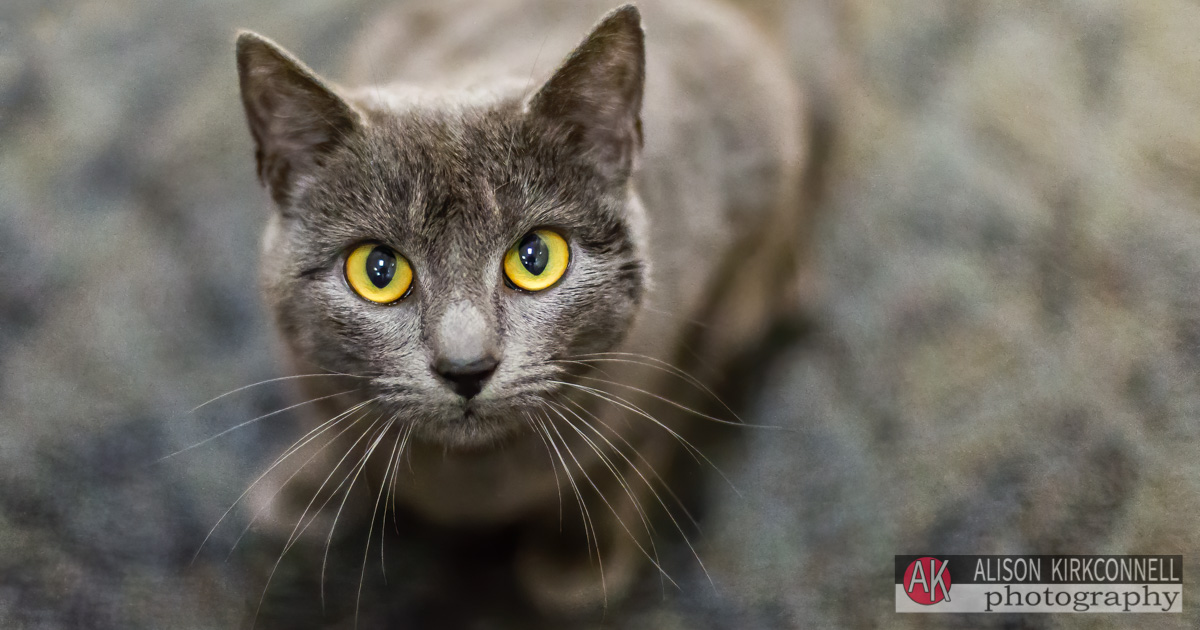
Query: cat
{"x": 516, "y": 280}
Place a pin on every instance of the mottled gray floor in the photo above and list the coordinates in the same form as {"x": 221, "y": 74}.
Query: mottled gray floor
{"x": 1002, "y": 354}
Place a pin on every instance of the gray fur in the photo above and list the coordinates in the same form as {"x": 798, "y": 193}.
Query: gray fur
{"x": 451, "y": 189}
{"x": 465, "y": 336}
{"x": 654, "y": 183}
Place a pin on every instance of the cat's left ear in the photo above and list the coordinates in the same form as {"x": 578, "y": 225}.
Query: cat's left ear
{"x": 295, "y": 117}
{"x": 596, "y": 94}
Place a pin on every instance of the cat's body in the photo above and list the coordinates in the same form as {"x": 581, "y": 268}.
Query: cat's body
{"x": 678, "y": 202}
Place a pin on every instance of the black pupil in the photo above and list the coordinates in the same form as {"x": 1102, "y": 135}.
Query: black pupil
{"x": 533, "y": 253}
{"x": 381, "y": 266}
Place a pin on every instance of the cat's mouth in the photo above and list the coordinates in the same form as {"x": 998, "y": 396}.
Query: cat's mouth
{"x": 473, "y": 424}
{"x": 495, "y": 416}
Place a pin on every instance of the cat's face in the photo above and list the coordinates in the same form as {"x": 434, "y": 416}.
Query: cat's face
{"x": 368, "y": 192}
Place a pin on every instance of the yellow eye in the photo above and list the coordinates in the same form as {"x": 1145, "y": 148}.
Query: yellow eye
{"x": 377, "y": 273}
{"x": 537, "y": 261}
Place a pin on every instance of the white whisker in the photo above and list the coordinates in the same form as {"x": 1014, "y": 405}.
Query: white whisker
{"x": 648, "y": 483}
{"x": 659, "y": 364}
{"x": 637, "y": 506}
{"x": 371, "y": 529}
{"x": 611, "y": 508}
{"x": 589, "y": 528}
{"x": 268, "y": 381}
{"x": 621, "y": 402}
{"x": 362, "y": 465}
{"x": 297, "y": 531}
{"x": 680, "y": 406}
{"x": 391, "y": 484}
{"x": 634, "y": 450}
{"x": 553, "y": 467}
{"x": 299, "y": 444}
{"x": 252, "y": 421}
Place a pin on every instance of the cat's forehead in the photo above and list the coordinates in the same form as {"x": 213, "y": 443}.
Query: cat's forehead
{"x": 454, "y": 172}
{"x": 446, "y": 147}
{"x": 473, "y": 174}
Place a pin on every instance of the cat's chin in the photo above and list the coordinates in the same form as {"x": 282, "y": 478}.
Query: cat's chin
{"x": 469, "y": 438}
{"x": 473, "y": 429}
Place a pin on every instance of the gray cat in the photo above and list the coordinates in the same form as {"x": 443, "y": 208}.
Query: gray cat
{"x": 506, "y": 267}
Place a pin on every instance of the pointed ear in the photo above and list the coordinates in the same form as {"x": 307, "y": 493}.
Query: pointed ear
{"x": 295, "y": 117}
{"x": 596, "y": 95}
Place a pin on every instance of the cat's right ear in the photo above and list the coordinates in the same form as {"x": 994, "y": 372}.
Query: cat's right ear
{"x": 295, "y": 117}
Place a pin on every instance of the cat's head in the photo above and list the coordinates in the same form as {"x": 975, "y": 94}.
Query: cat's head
{"x": 456, "y": 249}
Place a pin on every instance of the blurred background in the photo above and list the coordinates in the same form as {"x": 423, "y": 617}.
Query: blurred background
{"x": 1003, "y": 352}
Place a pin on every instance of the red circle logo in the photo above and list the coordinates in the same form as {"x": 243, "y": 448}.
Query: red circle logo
{"x": 927, "y": 581}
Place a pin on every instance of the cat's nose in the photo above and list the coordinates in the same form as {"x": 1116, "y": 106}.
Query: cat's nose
{"x": 466, "y": 378}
